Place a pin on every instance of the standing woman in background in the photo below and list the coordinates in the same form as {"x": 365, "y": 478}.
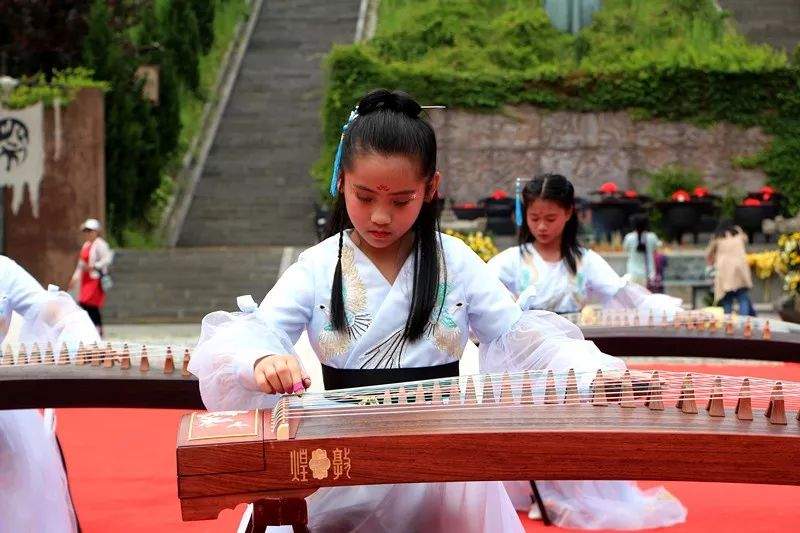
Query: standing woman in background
{"x": 95, "y": 258}
{"x": 641, "y": 245}
{"x": 550, "y": 271}
{"x": 727, "y": 253}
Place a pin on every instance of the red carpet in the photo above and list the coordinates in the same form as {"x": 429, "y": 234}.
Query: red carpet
{"x": 122, "y": 473}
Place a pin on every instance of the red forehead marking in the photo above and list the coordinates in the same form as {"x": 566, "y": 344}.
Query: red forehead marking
{"x": 383, "y": 188}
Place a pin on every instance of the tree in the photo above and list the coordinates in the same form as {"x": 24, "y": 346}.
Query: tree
{"x": 204, "y": 12}
{"x": 133, "y": 158}
{"x": 42, "y": 35}
{"x": 152, "y": 50}
{"x": 183, "y": 41}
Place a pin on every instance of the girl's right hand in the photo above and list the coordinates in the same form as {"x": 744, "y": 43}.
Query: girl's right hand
{"x": 280, "y": 374}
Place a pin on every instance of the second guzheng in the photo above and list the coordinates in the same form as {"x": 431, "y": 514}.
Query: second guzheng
{"x": 131, "y": 374}
{"x": 531, "y": 425}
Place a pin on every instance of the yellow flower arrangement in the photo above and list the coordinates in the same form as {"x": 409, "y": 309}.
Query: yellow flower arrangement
{"x": 764, "y": 264}
{"x": 785, "y": 261}
{"x": 481, "y": 244}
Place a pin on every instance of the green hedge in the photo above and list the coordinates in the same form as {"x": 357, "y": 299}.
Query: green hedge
{"x": 671, "y": 59}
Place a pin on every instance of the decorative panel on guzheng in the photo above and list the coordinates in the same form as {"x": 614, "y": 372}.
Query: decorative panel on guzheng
{"x": 219, "y": 442}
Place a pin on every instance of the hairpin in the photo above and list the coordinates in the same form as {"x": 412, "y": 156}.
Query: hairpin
{"x": 337, "y": 162}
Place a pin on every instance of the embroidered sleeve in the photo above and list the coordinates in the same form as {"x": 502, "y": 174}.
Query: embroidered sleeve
{"x": 21, "y": 289}
{"x": 502, "y": 266}
{"x": 288, "y": 305}
{"x": 601, "y": 279}
{"x": 490, "y": 307}
{"x": 231, "y": 343}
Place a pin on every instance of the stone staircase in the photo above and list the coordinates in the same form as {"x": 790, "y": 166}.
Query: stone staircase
{"x": 255, "y": 189}
{"x": 254, "y": 199}
{"x": 182, "y": 285}
{"x": 775, "y": 22}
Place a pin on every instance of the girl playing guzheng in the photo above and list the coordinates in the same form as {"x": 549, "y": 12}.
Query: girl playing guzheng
{"x": 549, "y": 270}
{"x": 386, "y": 298}
{"x": 33, "y": 484}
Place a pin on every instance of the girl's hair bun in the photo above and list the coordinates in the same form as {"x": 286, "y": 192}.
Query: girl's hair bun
{"x": 396, "y": 101}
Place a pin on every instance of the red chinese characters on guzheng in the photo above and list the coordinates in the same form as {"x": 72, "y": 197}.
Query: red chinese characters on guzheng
{"x": 222, "y": 455}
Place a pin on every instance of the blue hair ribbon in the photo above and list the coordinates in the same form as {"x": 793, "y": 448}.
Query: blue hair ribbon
{"x": 518, "y": 203}
{"x": 337, "y": 162}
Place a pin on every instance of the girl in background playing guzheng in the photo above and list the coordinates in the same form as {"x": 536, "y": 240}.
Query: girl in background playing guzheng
{"x": 34, "y": 495}
{"x": 549, "y": 270}
{"x": 386, "y": 298}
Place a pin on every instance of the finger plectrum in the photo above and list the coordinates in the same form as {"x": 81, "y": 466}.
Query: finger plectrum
{"x": 298, "y": 388}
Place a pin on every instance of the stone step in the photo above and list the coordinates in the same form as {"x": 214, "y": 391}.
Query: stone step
{"x": 775, "y": 22}
{"x": 184, "y": 284}
{"x": 256, "y": 188}
{"x": 187, "y": 283}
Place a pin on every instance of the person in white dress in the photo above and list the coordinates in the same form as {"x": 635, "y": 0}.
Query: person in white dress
{"x": 550, "y": 271}
{"x": 386, "y": 298}
{"x": 641, "y": 246}
{"x": 34, "y": 495}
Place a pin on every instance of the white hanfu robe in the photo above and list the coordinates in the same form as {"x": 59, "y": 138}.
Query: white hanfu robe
{"x": 376, "y": 310}
{"x": 34, "y": 495}
{"x": 548, "y": 285}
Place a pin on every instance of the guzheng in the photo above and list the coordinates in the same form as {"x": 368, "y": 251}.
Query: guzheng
{"x": 531, "y": 425}
{"x": 689, "y": 334}
{"x": 107, "y": 375}
{"x": 128, "y": 374}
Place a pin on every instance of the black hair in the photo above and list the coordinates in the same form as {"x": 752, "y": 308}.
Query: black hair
{"x": 558, "y": 189}
{"x": 726, "y": 228}
{"x": 641, "y": 224}
{"x": 389, "y": 123}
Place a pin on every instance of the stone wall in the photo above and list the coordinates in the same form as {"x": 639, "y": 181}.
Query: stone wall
{"x": 72, "y": 190}
{"x": 479, "y": 152}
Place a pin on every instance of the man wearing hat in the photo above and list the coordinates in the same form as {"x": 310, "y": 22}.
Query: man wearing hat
{"x": 95, "y": 258}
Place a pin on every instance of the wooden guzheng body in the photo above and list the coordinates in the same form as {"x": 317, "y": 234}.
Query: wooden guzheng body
{"x": 108, "y": 375}
{"x": 645, "y": 425}
{"x": 135, "y": 375}
{"x": 692, "y": 334}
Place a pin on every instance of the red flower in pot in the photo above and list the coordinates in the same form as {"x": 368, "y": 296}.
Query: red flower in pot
{"x": 608, "y": 187}
{"x": 681, "y": 196}
{"x": 766, "y": 192}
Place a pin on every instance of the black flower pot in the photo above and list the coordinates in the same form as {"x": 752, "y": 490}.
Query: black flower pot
{"x": 678, "y": 218}
{"x": 749, "y": 218}
{"x": 787, "y": 310}
{"x": 500, "y": 216}
{"x": 611, "y": 216}
{"x": 469, "y": 213}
